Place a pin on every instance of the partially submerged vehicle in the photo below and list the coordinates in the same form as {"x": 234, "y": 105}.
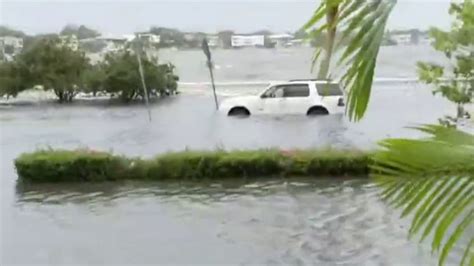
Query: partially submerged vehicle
{"x": 303, "y": 96}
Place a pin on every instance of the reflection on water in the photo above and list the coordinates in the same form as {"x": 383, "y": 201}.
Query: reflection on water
{"x": 213, "y": 191}
{"x": 271, "y": 222}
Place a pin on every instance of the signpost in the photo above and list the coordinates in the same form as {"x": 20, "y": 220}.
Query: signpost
{"x": 207, "y": 52}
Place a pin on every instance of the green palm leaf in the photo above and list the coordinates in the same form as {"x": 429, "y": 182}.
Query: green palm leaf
{"x": 361, "y": 23}
{"x": 433, "y": 179}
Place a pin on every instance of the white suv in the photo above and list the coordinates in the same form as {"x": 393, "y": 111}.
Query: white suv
{"x": 307, "y": 97}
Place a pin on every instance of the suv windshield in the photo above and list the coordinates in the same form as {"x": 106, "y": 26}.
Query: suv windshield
{"x": 329, "y": 89}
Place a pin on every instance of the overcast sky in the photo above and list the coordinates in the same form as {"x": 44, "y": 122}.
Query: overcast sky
{"x": 121, "y": 17}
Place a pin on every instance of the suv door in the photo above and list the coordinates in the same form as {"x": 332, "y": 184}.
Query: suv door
{"x": 296, "y": 98}
{"x": 271, "y": 100}
{"x": 332, "y": 96}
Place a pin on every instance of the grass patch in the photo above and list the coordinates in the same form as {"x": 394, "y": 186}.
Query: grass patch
{"x": 87, "y": 165}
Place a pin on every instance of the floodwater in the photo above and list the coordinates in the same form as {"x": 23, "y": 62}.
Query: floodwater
{"x": 237, "y": 222}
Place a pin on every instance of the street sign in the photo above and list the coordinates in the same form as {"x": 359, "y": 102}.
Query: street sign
{"x": 207, "y": 52}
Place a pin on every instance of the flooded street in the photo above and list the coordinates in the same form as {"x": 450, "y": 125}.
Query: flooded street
{"x": 237, "y": 222}
{"x": 301, "y": 222}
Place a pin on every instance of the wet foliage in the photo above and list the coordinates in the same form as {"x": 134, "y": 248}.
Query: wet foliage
{"x": 88, "y": 165}
{"x": 457, "y": 45}
{"x": 52, "y": 66}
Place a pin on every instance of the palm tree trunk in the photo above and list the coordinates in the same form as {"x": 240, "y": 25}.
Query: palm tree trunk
{"x": 331, "y": 18}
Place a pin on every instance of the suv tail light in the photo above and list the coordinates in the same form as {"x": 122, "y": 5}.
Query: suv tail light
{"x": 340, "y": 102}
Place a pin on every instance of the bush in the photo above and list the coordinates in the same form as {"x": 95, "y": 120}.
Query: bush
{"x": 121, "y": 76}
{"x": 86, "y": 165}
{"x": 80, "y": 165}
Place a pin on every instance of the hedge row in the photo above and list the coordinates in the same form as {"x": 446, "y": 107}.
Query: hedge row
{"x": 87, "y": 165}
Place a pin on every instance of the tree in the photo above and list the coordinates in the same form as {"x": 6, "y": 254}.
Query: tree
{"x": 6, "y": 31}
{"x": 362, "y": 24}
{"x": 458, "y": 47}
{"x": 55, "y": 67}
{"x": 13, "y": 79}
{"x": 81, "y": 32}
{"x": 432, "y": 178}
{"x": 93, "y": 79}
{"x": 123, "y": 78}
{"x": 30, "y": 41}
{"x": 92, "y": 46}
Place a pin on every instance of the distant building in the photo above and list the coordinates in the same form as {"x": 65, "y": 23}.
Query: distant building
{"x": 299, "y": 43}
{"x": 402, "y": 39}
{"x": 190, "y": 36}
{"x": 114, "y": 43}
{"x": 424, "y": 39}
{"x": 11, "y": 45}
{"x": 281, "y": 40}
{"x": 248, "y": 41}
{"x": 214, "y": 41}
{"x": 69, "y": 41}
{"x": 150, "y": 38}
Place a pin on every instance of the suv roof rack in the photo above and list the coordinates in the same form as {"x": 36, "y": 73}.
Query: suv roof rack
{"x": 291, "y": 80}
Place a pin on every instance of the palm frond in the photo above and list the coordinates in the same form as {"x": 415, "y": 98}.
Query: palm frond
{"x": 361, "y": 23}
{"x": 432, "y": 179}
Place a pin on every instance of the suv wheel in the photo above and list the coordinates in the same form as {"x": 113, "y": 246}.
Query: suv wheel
{"x": 314, "y": 111}
{"x": 239, "y": 111}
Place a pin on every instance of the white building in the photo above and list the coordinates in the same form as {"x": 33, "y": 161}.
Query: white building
{"x": 190, "y": 36}
{"x": 69, "y": 41}
{"x": 299, "y": 43}
{"x": 281, "y": 40}
{"x": 424, "y": 39}
{"x": 247, "y": 40}
{"x": 11, "y": 45}
{"x": 113, "y": 43}
{"x": 402, "y": 39}
{"x": 213, "y": 41}
{"x": 150, "y": 38}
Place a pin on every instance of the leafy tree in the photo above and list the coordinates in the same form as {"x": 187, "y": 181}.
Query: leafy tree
{"x": 6, "y": 31}
{"x": 122, "y": 76}
{"x": 458, "y": 47}
{"x": 430, "y": 178}
{"x": 93, "y": 79}
{"x": 13, "y": 79}
{"x": 81, "y": 32}
{"x": 93, "y": 46}
{"x": 30, "y": 41}
{"x": 55, "y": 67}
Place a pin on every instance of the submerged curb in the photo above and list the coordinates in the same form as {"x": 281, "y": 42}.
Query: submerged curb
{"x": 89, "y": 166}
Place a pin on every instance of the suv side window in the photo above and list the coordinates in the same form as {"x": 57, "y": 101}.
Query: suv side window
{"x": 296, "y": 90}
{"x": 274, "y": 92}
{"x": 329, "y": 89}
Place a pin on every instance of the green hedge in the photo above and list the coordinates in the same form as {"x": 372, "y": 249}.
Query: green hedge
{"x": 87, "y": 165}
